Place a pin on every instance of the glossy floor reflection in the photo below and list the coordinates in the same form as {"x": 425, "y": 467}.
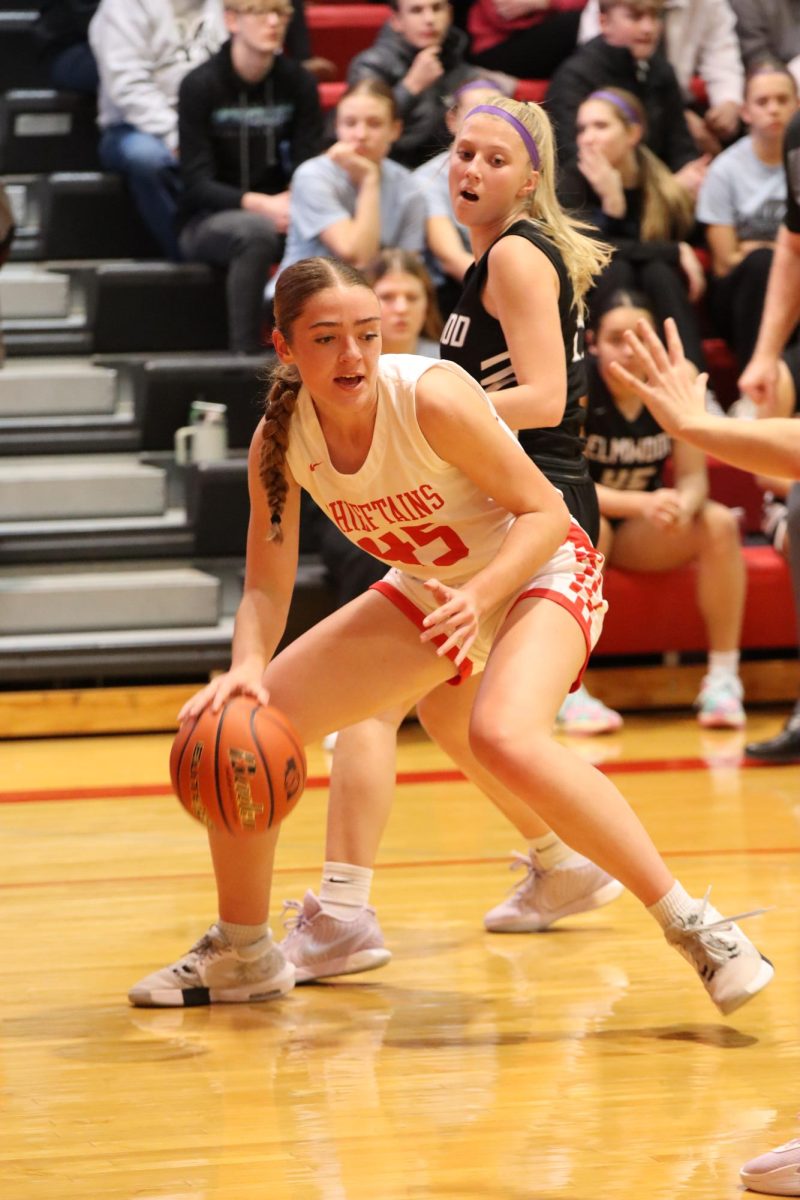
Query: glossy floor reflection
{"x": 581, "y": 1063}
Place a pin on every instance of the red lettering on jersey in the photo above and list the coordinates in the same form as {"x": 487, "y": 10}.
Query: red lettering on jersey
{"x": 434, "y": 499}
{"x": 415, "y": 502}
{"x": 337, "y": 510}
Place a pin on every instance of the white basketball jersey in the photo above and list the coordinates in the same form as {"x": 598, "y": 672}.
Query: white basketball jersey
{"x": 405, "y": 505}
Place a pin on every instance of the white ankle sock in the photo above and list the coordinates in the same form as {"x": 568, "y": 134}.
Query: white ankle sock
{"x": 723, "y": 662}
{"x": 344, "y": 890}
{"x": 550, "y": 850}
{"x": 242, "y": 935}
{"x": 674, "y": 904}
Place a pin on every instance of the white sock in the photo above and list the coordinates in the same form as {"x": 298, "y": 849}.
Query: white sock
{"x": 723, "y": 662}
{"x": 550, "y": 850}
{"x": 344, "y": 890}
{"x": 676, "y": 903}
{"x": 243, "y": 935}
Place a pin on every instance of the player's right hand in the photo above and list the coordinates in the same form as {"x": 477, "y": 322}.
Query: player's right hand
{"x": 239, "y": 681}
{"x": 759, "y": 381}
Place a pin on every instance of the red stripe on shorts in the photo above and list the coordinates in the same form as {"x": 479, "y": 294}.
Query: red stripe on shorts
{"x": 416, "y": 615}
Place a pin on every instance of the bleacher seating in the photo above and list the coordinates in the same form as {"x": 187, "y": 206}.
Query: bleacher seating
{"x": 141, "y": 576}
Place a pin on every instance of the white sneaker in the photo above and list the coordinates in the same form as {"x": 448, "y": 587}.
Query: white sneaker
{"x": 776, "y": 1173}
{"x": 215, "y": 972}
{"x": 319, "y": 945}
{"x": 583, "y": 713}
{"x": 544, "y": 897}
{"x": 731, "y": 968}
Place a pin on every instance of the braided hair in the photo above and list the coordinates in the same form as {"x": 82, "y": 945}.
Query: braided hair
{"x": 295, "y": 287}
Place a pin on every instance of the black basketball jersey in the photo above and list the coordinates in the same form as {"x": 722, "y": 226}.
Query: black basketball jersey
{"x": 475, "y": 340}
{"x": 622, "y": 454}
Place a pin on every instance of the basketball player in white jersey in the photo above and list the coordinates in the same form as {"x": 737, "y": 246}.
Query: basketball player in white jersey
{"x": 492, "y": 588}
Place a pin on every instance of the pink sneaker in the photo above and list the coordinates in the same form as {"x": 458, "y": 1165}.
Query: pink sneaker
{"x": 776, "y": 1173}
{"x": 319, "y": 945}
{"x": 719, "y": 702}
{"x": 544, "y": 897}
{"x": 583, "y": 713}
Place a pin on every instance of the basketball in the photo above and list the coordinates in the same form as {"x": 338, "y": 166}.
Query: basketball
{"x": 242, "y": 769}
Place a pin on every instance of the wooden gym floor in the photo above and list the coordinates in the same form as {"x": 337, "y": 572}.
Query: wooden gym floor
{"x": 578, "y": 1064}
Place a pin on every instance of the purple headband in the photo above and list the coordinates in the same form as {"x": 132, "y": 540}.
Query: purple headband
{"x": 485, "y": 85}
{"x": 510, "y": 119}
{"x": 618, "y": 102}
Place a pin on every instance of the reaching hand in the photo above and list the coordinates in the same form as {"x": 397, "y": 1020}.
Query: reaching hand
{"x": 672, "y": 391}
{"x": 456, "y": 620}
{"x": 239, "y": 681}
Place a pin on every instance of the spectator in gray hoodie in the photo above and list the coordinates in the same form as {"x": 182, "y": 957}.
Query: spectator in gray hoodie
{"x": 419, "y": 53}
{"x": 769, "y": 28}
{"x": 143, "y": 49}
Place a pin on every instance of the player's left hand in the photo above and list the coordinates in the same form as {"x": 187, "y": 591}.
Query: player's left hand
{"x": 456, "y": 620}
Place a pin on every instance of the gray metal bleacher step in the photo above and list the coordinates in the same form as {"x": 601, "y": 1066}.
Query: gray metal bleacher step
{"x": 36, "y": 488}
{"x": 41, "y": 129}
{"x": 30, "y": 292}
{"x": 65, "y": 602}
{"x": 97, "y": 539}
{"x": 57, "y": 387}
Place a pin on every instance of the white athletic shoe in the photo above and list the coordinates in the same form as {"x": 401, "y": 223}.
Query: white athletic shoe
{"x": 544, "y": 897}
{"x": 319, "y": 945}
{"x": 732, "y": 970}
{"x": 776, "y": 1173}
{"x": 215, "y": 972}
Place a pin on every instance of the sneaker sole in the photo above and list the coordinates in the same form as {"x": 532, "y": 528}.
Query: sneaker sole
{"x": 605, "y": 895}
{"x": 757, "y": 984}
{"x": 784, "y": 1181}
{"x": 278, "y": 986}
{"x": 350, "y": 964}
{"x": 711, "y": 722}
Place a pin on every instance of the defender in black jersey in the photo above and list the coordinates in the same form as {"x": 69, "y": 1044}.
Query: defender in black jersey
{"x": 475, "y": 339}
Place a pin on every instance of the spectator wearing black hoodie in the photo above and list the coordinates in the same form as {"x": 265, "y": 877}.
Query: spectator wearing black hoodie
{"x": 419, "y": 53}
{"x": 628, "y": 55}
{"x": 62, "y": 33}
{"x": 246, "y": 119}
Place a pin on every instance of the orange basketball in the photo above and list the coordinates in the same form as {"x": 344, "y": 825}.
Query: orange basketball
{"x": 242, "y": 769}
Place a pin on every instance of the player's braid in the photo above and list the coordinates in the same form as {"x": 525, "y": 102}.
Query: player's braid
{"x": 278, "y": 409}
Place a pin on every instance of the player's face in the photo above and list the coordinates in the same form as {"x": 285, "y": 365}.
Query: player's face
{"x": 599, "y": 128}
{"x": 610, "y": 345}
{"x": 491, "y": 175}
{"x": 422, "y": 22}
{"x": 335, "y": 344}
{"x": 638, "y": 29}
{"x": 261, "y": 31}
{"x": 366, "y": 123}
{"x": 404, "y": 305}
{"x": 769, "y": 104}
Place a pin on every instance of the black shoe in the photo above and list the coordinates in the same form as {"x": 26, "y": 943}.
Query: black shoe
{"x": 783, "y": 748}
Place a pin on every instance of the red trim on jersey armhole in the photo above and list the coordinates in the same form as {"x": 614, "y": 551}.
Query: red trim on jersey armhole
{"x": 557, "y": 598}
{"x": 409, "y": 609}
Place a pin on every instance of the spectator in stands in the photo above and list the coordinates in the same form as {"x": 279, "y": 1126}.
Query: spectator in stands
{"x": 627, "y": 55}
{"x": 62, "y": 32}
{"x": 619, "y": 185}
{"x": 247, "y": 118}
{"x": 742, "y": 203}
{"x": 143, "y": 50}
{"x": 762, "y": 381}
{"x": 700, "y": 42}
{"x": 7, "y": 229}
{"x": 420, "y": 55}
{"x": 648, "y": 526}
{"x": 448, "y": 249}
{"x": 527, "y": 38}
{"x": 353, "y": 200}
{"x": 769, "y": 27}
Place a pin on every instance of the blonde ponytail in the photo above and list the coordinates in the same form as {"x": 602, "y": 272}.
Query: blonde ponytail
{"x": 584, "y": 256}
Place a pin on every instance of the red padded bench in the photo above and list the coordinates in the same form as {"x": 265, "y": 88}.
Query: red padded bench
{"x": 658, "y": 613}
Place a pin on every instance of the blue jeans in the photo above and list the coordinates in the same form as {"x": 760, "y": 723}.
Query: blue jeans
{"x": 152, "y": 174}
{"x": 74, "y": 69}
